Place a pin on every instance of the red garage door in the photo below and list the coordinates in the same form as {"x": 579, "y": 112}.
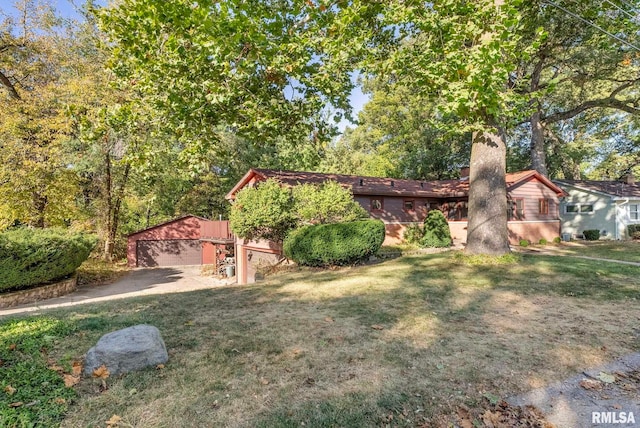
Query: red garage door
{"x": 169, "y": 252}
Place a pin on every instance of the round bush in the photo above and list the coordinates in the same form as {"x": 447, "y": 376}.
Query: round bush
{"x": 334, "y": 244}
{"x": 591, "y": 234}
{"x": 436, "y": 231}
{"x": 557, "y": 240}
{"x": 524, "y": 243}
{"x": 413, "y": 233}
{"x": 542, "y": 241}
{"x": 29, "y": 257}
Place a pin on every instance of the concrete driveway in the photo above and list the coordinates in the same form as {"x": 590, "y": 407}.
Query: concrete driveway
{"x": 139, "y": 282}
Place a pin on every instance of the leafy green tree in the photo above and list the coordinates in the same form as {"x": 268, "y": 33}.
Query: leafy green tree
{"x": 326, "y": 203}
{"x": 263, "y": 212}
{"x": 436, "y": 231}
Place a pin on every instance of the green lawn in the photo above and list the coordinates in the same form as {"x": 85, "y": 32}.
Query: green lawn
{"x": 617, "y": 250}
{"x": 401, "y": 343}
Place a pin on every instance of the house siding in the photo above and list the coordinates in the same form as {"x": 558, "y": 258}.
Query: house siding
{"x": 603, "y": 217}
{"x": 532, "y": 192}
{"x": 623, "y": 217}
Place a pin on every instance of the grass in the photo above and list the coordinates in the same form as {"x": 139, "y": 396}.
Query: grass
{"x": 616, "y": 250}
{"x": 95, "y": 271}
{"x": 400, "y": 343}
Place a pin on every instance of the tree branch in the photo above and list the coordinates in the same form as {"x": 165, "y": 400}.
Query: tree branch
{"x": 4, "y": 81}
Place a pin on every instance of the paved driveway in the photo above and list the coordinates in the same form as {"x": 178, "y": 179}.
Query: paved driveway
{"x": 139, "y": 282}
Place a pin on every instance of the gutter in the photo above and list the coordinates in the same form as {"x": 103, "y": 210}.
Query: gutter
{"x": 624, "y": 201}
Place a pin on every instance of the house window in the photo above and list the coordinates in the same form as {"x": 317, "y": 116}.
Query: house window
{"x": 409, "y": 205}
{"x": 456, "y": 211}
{"x": 634, "y": 212}
{"x": 578, "y": 208}
{"x": 377, "y": 204}
{"x": 543, "y": 206}
{"x": 516, "y": 211}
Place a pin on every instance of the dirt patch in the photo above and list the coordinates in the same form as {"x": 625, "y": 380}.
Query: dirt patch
{"x": 600, "y": 394}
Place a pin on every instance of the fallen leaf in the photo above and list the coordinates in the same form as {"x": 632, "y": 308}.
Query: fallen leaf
{"x": 76, "y": 368}
{"x": 113, "y": 421}
{"x": 377, "y": 327}
{"x": 16, "y": 404}
{"x": 60, "y": 400}
{"x": 189, "y": 323}
{"x": 102, "y": 372}
{"x": 264, "y": 381}
{"x": 56, "y": 368}
{"x": 328, "y": 319}
{"x": 591, "y": 384}
{"x": 309, "y": 381}
{"x": 10, "y": 390}
{"x": 70, "y": 380}
{"x": 12, "y": 347}
{"x": 159, "y": 366}
{"x": 606, "y": 377}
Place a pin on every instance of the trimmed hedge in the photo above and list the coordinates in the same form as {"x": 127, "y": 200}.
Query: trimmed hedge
{"x": 29, "y": 257}
{"x": 634, "y": 231}
{"x": 334, "y": 244}
{"x": 591, "y": 234}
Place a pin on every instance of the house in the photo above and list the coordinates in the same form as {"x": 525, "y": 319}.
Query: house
{"x": 187, "y": 240}
{"x": 608, "y": 206}
{"x": 534, "y": 205}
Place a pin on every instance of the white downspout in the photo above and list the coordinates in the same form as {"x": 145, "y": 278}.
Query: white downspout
{"x": 626, "y": 201}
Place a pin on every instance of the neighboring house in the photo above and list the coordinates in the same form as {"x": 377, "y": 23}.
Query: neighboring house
{"x": 188, "y": 240}
{"x": 608, "y": 206}
{"x": 533, "y": 201}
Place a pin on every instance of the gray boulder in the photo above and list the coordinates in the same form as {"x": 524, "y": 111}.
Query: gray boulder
{"x": 129, "y": 349}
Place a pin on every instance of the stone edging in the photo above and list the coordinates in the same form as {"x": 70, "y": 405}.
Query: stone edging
{"x": 31, "y": 295}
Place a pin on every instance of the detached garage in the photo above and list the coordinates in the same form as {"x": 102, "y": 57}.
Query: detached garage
{"x": 188, "y": 240}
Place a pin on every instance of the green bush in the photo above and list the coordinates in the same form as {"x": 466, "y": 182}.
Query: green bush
{"x": 524, "y": 243}
{"x": 557, "y": 240}
{"x": 634, "y": 231}
{"x": 542, "y": 241}
{"x": 29, "y": 257}
{"x": 413, "y": 233}
{"x": 436, "y": 231}
{"x": 334, "y": 244}
{"x": 591, "y": 234}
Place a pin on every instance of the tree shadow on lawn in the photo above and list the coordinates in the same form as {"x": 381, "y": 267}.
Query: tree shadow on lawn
{"x": 399, "y": 343}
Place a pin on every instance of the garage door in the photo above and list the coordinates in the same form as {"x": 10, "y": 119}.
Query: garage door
{"x": 169, "y": 252}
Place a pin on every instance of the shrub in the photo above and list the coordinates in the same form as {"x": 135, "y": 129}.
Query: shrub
{"x": 413, "y": 233}
{"x": 591, "y": 234}
{"x": 436, "y": 231}
{"x": 542, "y": 241}
{"x": 334, "y": 244}
{"x": 29, "y": 257}
{"x": 557, "y": 240}
{"x": 634, "y": 231}
{"x": 524, "y": 243}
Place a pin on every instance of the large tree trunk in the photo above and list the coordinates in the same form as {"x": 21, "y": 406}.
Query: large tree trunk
{"x": 487, "y": 228}
{"x": 538, "y": 157}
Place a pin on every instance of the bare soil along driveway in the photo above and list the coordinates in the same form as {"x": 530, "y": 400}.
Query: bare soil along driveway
{"x": 138, "y": 282}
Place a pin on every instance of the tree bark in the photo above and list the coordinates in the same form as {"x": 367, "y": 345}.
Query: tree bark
{"x": 538, "y": 156}
{"x": 487, "y": 228}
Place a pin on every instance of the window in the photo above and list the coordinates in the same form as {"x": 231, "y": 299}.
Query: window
{"x": 543, "y": 206}
{"x": 516, "y": 211}
{"x": 409, "y": 205}
{"x": 634, "y": 211}
{"x": 578, "y": 208}
{"x": 377, "y": 204}
{"x": 456, "y": 211}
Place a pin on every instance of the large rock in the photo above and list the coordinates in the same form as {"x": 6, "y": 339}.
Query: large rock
{"x": 129, "y": 349}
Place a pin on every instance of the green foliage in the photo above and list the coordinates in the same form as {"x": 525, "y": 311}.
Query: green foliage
{"x": 557, "y": 240}
{"x": 29, "y": 257}
{"x": 591, "y": 234}
{"x": 487, "y": 260}
{"x": 436, "y": 231}
{"x": 326, "y": 203}
{"x": 634, "y": 231}
{"x": 334, "y": 244}
{"x": 542, "y": 241}
{"x": 413, "y": 233}
{"x": 25, "y": 376}
{"x": 265, "y": 211}
{"x": 524, "y": 243}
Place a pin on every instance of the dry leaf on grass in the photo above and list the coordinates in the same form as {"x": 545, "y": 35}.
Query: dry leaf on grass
{"x": 16, "y": 404}
{"x": 10, "y": 390}
{"x": 76, "y": 368}
{"x": 328, "y": 319}
{"x": 591, "y": 384}
{"x": 12, "y": 347}
{"x": 377, "y": 327}
{"x": 60, "y": 400}
{"x": 606, "y": 377}
{"x": 159, "y": 366}
{"x": 264, "y": 381}
{"x": 101, "y": 372}
{"x": 70, "y": 380}
{"x": 113, "y": 421}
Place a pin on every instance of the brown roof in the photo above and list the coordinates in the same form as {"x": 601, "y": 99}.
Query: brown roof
{"x": 362, "y": 185}
{"x": 611, "y": 188}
